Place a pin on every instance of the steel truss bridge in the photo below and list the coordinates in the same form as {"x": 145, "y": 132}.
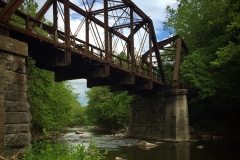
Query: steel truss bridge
{"x": 107, "y": 42}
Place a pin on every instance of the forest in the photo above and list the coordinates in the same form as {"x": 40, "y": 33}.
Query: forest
{"x": 211, "y": 73}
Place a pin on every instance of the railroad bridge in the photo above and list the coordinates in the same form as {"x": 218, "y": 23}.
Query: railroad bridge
{"x": 114, "y": 44}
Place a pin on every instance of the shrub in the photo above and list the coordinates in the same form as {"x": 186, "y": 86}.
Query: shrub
{"x": 48, "y": 150}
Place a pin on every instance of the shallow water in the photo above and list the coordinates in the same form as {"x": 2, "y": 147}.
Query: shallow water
{"x": 127, "y": 148}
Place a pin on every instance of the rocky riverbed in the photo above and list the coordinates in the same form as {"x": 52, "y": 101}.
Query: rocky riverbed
{"x": 130, "y": 148}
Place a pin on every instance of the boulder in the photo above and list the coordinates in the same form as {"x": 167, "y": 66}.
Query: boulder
{"x": 85, "y": 136}
{"x": 146, "y": 144}
{"x": 79, "y": 132}
{"x": 107, "y": 136}
{"x": 119, "y": 135}
{"x": 118, "y": 158}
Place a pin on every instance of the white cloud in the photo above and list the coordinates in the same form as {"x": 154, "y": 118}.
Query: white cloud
{"x": 80, "y": 87}
{"x": 155, "y": 9}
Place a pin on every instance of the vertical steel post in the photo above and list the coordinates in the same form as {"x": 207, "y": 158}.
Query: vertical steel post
{"x": 106, "y": 29}
{"x": 67, "y": 31}
{"x": 110, "y": 44}
{"x": 131, "y": 39}
{"x": 177, "y": 63}
{"x": 55, "y": 15}
{"x": 150, "y": 50}
{"x": 128, "y": 52}
{"x": 55, "y": 19}
{"x": 87, "y": 34}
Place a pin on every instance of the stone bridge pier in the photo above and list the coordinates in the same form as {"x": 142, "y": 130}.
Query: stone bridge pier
{"x": 14, "y": 107}
{"x": 161, "y": 116}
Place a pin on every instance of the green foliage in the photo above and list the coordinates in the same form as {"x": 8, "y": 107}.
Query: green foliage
{"x": 52, "y": 104}
{"x": 29, "y": 7}
{"x": 53, "y": 150}
{"x": 108, "y": 109}
{"x": 168, "y": 58}
{"x": 79, "y": 116}
{"x": 211, "y": 31}
{"x": 206, "y": 27}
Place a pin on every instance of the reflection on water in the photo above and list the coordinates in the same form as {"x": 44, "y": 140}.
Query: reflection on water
{"x": 127, "y": 148}
{"x": 165, "y": 151}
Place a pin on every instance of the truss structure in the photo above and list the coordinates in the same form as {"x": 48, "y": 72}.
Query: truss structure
{"x": 108, "y": 42}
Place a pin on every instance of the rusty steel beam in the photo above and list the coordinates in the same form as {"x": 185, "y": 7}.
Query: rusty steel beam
{"x": 132, "y": 39}
{"x": 177, "y": 63}
{"x": 110, "y": 44}
{"x": 160, "y": 45}
{"x": 150, "y": 50}
{"x": 139, "y": 26}
{"x": 163, "y": 43}
{"x": 67, "y": 31}
{"x": 87, "y": 33}
{"x": 126, "y": 25}
{"x": 20, "y": 14}
{"x": 137, "y": 10}
{"x": 42, "y": 12}
{"x": 116, "y": 1}
{"x": 94, "y": 19}
{"x": 55, "y": 19}
{"x": 106, "y": 28}
{"x": 55, "y": 14}
{"x": 109, "y": 9}
{"x": 9, "y": 9}
{"x": 157, "y": 54}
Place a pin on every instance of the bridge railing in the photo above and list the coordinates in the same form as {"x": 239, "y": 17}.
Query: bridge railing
{"x": 58, "y": 37}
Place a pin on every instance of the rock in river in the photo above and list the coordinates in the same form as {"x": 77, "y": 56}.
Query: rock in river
{"x": 85, "y": 136}
{"x": 79, "y": 132}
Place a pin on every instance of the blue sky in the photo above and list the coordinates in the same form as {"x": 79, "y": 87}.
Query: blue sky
{"x": 155, "y": 9}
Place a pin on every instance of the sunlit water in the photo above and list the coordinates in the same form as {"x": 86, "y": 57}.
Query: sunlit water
{"x": 127, "y": 148}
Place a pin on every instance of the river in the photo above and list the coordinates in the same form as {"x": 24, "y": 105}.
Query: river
{"x": 127, "y": 148}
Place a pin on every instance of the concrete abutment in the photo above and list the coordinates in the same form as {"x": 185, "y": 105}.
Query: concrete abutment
{"x": 161, "y": 116}
{"x": 14, "y": 107}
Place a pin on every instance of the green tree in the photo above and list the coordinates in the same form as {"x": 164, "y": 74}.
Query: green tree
{"x": 51, "y": 102}
{"x": 111, "y": 110}
{"x": 79, "y": 117}
{"x": 211, "y": 71}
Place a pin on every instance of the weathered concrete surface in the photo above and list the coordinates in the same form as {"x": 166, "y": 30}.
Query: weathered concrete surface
{"x": 14, "y": 108}
{"x": 162, "y": 116}
{"x": 177, "y": 122}
{"x": 147, "y": 118}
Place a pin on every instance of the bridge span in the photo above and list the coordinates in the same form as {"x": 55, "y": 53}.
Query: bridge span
{"x": 114, "y": 44}
{"x": 121, "y": 24}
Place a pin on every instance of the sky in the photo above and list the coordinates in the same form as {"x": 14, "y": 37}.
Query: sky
{"x": 155, "y": 9}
